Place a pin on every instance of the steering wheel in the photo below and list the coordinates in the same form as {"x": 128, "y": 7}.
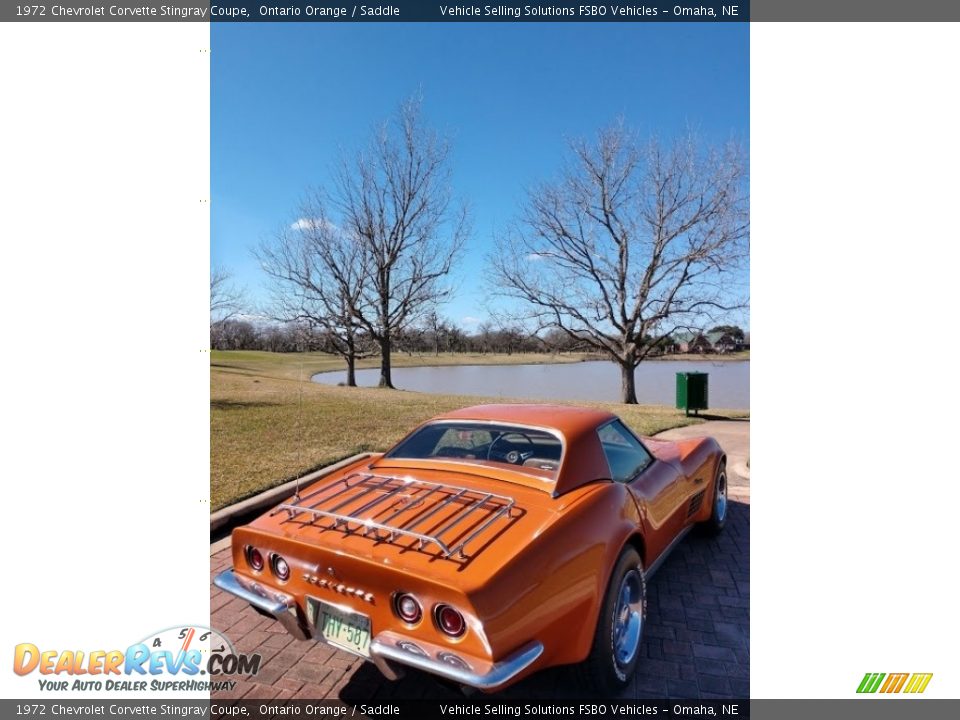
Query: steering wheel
{"x": 513, "y": 456}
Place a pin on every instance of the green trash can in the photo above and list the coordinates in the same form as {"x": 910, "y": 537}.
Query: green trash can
{"x": 692, "y": 391}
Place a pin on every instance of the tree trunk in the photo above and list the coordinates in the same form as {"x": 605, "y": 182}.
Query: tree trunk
{"x": 628, "y": 388}
{"x": 386, "y": 381}
{"x": 351, "y": 357}
{"x": 351, "y": 369}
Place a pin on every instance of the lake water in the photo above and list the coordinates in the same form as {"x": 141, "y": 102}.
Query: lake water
{"x": 729, "y": 383}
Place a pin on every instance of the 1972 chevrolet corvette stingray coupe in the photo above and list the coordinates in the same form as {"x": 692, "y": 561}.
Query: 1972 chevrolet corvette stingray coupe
{"x": 490, "y": 543}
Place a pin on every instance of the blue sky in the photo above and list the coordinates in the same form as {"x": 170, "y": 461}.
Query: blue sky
{"x": 286, "y": 98}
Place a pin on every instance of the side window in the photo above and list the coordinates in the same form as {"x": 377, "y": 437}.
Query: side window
{"x": 625, "y": 455}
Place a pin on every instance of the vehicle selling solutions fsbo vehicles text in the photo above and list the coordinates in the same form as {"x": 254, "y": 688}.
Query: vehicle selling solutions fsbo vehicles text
{"x": 592, "y": 11}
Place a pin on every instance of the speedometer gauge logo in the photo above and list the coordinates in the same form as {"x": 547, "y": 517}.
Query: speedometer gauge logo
{"x": 206, "y": 647}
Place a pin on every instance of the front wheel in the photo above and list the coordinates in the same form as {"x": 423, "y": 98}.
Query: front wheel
{"x": 718, "y": 516}
{"x": 616, "y": 645}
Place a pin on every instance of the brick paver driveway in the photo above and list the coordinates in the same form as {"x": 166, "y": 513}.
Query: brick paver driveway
{"x": 696, "y": 642}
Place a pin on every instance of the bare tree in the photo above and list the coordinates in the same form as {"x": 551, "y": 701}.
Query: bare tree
{"x": 436, "y": 328}
{"x": 633, "y": 241}
{"x": 456, "y": 339}
{"x": 317, "y": 273}
{"x": 226, "y": 299}
{"x": 483, "y": 335}
{"x": 395, "y": 201}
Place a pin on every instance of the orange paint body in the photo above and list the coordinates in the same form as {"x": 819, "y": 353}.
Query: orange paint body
{"x": 538, "y": 573}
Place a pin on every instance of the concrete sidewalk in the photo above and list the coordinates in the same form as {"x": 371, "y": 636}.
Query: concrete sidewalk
{"x": 734, "y": 438}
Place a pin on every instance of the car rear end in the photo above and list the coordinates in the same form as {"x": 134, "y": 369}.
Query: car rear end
{"x": 383, "y": 566}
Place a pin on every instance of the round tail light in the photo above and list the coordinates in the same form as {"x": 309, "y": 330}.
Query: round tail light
{"x": 280, "y": 567}
{"x": 450, "y": 621}
{"x": 407, "y": 608}
{"x": 254, "y": 558}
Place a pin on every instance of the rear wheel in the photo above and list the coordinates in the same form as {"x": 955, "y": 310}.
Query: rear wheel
{"x": 616, "y": 645}
{"x": 718, "y": 516}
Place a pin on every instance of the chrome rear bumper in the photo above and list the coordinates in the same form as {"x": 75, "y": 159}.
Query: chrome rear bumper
{"x": 279, "y": 605}
{"x": 385, "y": 652}
{"x": 386, "y": 649}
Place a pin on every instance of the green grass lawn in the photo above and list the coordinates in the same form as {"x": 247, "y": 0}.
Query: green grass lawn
{"x": 267, "y": 427}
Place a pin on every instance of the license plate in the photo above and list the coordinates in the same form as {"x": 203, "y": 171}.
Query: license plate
{"x": 347, "y": 630}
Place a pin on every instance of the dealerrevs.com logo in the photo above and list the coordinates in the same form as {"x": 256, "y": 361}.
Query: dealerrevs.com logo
{"x": 183, "y": 659}
{"x": 910, "y": 683}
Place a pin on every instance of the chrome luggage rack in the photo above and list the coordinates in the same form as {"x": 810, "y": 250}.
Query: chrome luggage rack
{"x": 394, "y": 496}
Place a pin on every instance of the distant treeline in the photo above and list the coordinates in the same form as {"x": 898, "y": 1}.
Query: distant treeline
{"x": 445, "y": 337}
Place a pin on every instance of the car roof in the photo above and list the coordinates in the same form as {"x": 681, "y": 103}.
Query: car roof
{"x": 583, "y": 459}
{"x": 568, "y": 420}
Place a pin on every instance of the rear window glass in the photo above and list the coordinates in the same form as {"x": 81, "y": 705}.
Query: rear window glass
{"x": 535, "y": 451}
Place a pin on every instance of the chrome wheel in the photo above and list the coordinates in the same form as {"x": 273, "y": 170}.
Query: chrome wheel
{"x": 720, "y": 501}
{"x": 628, "y": 619}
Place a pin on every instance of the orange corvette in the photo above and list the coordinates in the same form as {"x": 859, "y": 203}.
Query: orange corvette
{"x": 490, "y": 543}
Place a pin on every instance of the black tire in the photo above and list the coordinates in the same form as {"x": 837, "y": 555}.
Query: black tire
{"x": 605, "y": 670}
{"x": 718, "y": 510}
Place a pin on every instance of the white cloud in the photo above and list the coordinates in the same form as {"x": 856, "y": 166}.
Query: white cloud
{"x": 303, "y": 224}
{"x": 536, "y": 257}
{"x": 312, "y": 223}
{"x": 471, "y": 320}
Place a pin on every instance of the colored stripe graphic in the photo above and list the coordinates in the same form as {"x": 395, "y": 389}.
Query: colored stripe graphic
{"x": 894, "y": 682}
{"x": 918, "y": 683}
{"x": 870, "y": 682}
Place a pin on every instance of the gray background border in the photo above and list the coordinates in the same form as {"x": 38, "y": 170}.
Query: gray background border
{"x": 873, "y": 708}
{"x": 428, "y": 10}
